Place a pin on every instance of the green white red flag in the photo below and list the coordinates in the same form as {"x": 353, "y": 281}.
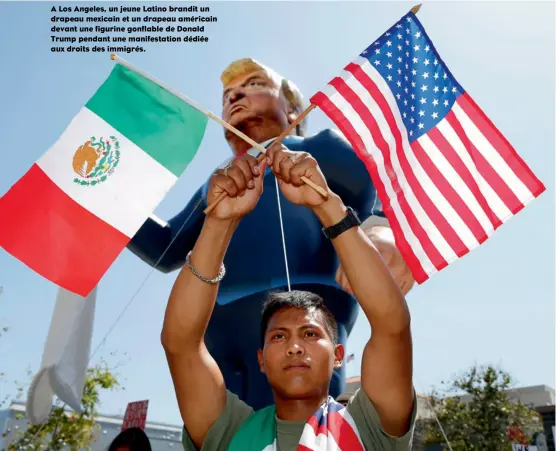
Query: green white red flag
{"x": 69, "y": 217}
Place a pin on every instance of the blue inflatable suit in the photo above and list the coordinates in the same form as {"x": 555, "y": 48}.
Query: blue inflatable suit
{"x": 255, "y": 261}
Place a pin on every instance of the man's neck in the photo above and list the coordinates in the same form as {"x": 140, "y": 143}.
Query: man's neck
{"x": 297, "y": 409}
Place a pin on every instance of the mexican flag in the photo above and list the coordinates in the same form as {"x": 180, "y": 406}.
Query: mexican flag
{"x": 69, "y": 217}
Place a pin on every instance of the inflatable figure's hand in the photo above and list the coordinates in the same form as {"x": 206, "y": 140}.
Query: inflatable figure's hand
{"x": 383, "y": 239}
{"x": 289, "y": 167}
{"x": 242, "y": 180}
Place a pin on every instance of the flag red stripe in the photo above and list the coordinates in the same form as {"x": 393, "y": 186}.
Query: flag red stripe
{"x": 343, "y": 433}
{"x": 500, "y": 144}
{"x": 322, "y": 101}
{"x": 313, "y": 422}
{"x": 451, "y": 196}
{"x": 483, "y": 166}
{"x": 323, "y": 429}
{"x": 444, "y": 228}
{"x": 459, "y": 166}
{"x": 56, "y": 237}
{"x": 303, "y": 448}
{"x": 317, "y": 429}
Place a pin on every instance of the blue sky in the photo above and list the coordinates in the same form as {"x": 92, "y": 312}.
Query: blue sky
{"x": 496, "y": 305}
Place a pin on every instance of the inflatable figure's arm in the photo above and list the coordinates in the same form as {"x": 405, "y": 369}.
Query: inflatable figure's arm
{"x": 152, "y": 241}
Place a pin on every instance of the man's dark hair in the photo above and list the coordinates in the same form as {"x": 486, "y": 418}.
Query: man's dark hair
{"x": 304, "y": 300}
{"x": 135, "y": 438}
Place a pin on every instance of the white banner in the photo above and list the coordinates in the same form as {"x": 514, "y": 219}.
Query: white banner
{"x": 65, "y": 356}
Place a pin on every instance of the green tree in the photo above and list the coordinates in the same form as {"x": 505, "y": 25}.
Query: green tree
{"x": 64, "y": 428}
{"x": 487, "y": 420}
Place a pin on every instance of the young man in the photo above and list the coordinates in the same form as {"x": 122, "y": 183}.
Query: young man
{"x": 300, "y": 349}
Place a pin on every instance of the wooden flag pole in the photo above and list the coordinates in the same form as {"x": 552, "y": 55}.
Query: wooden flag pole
{"x": 276, "y": 142}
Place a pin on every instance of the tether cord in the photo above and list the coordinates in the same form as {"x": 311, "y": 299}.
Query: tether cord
{"x": 283, "y": 235}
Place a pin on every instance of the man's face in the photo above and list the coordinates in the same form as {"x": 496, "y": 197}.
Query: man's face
{"x": 254, "y": 104}
{"x": 298, "y": 355}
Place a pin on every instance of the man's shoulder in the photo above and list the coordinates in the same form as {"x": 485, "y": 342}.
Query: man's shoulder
{"x": 365, "y": 417}
{"x": 236, "y": 407}
{"x": 221, "y": 433}
{"x": 359, "y": 402}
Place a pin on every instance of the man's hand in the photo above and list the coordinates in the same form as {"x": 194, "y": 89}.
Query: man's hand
{"x": 383, "y": 239}
{"x": 289, "y": 167}
{"x": 242, "y": 180}
{"x": 198, "y": 381}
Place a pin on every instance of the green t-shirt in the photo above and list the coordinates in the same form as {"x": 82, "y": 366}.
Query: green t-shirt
{"x": 359, "y": 406}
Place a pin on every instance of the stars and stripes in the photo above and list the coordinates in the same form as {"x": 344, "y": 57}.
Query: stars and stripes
{"x": 446, "y": 175}
{"x": 330, "y": 428}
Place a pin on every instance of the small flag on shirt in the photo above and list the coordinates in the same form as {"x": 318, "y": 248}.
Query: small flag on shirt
{"x": 350, "y": 358}
{"x": 446, "y": 175}
{"x": 69, "y": 217}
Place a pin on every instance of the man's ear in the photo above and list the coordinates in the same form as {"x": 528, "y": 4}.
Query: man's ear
{"x": 261, "y": 360}
{"x": 338, "y": 356}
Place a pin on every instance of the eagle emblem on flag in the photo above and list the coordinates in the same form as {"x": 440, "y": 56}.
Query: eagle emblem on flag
{"x": 95, "y": 160}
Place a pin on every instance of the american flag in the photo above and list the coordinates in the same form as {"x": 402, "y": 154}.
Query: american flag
{"x": 330, "y": 428}
{"x": 445, "y": 174}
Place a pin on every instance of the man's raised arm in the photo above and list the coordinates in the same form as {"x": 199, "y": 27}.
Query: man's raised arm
{"x": 198, "y": 382}
{"x": 386, "y": 375}
{"x": 387, "y": 371}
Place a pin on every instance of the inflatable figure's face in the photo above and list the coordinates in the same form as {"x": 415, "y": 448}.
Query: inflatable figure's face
{"x": 299, "y": 355}
{"x": 254, "y": 103}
